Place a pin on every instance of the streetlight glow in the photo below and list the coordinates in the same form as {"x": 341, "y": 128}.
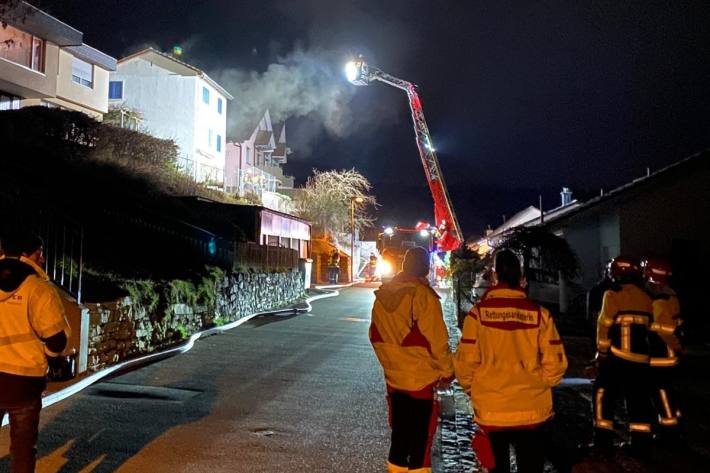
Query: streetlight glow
{"x": 352, "y": 71}
{"x": 389, "y": 231}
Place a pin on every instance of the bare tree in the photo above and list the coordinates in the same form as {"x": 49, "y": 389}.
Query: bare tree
{"x": 327, "y": 198}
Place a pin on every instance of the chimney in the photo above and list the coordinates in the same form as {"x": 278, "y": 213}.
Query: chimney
{"x": 566, "y": 196}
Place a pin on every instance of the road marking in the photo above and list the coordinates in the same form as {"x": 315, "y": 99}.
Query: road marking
{"x": 354, "y": 319}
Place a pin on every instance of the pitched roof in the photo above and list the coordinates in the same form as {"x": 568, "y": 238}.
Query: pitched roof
{"x": 175, "y": 65}
{"x": 93, "y": 56}
{"x": 634, "y": 185}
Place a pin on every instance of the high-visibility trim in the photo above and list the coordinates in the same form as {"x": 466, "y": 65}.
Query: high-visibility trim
{"x": 629, "y": 356}
{"x": 471, "y": 341}
{"x": 599, "y": 421}
{"x": 23, "y": 370}
{"x": 640, "y": 427}
{"x": 19, "y": 338}
{"x": 631, "y": 319}
{"x": 392, "y": 468}
{"x": 606, "y": 322}
{"x": 664, "y": 361}
{"x": 664, "y": 329}
{"x": 668, "y": 421}
{"x": 625, "y": 338}
{"x": 603, "y": 424}
{"x": 665, "y": 403}
{"x": 604, "y": 344}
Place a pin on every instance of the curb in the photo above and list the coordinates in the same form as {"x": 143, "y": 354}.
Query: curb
{"x": 74, "y": 388}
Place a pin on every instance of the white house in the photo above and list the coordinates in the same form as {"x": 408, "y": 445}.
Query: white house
{"x": 254, "y": 165}
{"x": 177, "y": 101}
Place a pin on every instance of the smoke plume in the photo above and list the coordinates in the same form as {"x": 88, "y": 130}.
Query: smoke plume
{"x": 300, "y": 84}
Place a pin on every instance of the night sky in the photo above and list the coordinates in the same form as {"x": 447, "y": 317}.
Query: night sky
{"x": 521, "y": 98}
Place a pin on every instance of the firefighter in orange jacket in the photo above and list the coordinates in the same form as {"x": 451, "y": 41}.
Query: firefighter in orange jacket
{"x": 410, "y": 339}
{"x": 665, "y": 344}
{"x": 623, "y": 356}
{"x": 509, "y": 357}
{"x": 32, "y": 327}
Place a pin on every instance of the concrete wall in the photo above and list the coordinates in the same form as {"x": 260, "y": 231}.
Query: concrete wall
{"x": 121, "y": 329}
{"x": 29, "y": 84}
{"x": 207, "y": 118}
{"x": 166, "y": 101}
{"x": 90, "y": 100}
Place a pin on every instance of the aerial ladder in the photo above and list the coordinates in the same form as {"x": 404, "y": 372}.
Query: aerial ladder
{"x": 447, "y": 229}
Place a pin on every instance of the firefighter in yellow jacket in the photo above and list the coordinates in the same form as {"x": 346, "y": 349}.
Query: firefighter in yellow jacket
{"x": 623, "y": 356}
{"x": 509, "y": 357}
{"x": 32, "y": 327}
{"x": 664, "y": 344}
{"x": 410, "y": 339}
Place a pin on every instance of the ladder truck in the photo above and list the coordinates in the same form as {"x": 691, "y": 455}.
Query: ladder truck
{"x": 447, "y": 229}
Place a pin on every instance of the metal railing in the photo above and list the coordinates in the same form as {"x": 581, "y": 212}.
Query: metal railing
{"x": 62, "y": 236}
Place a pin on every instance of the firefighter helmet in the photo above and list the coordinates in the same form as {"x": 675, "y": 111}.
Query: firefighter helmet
{"x": 656, "y": 270}
{"x": 623, "y": 269}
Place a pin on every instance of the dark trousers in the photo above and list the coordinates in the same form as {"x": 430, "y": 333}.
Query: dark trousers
{"x": 529, "y": 445}
{"x": 24, "y": 427}
{"x": 413, "y": 423}
{"x": 665, "y": 401}
{"x": 333, "y": 274}
{"x": 621, "y": 380}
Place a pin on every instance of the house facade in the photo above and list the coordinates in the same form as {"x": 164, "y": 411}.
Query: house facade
{"x": 664, "y": 213}
{"x": 45, "y": 62}
{"x": 176, "y": 101}
{"x": 254, "y": 166}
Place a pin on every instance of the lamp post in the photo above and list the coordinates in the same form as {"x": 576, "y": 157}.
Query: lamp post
{"x": 353, "y": 201}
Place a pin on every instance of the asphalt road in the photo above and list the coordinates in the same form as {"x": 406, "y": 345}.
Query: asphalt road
{"x": 277, "y": 394}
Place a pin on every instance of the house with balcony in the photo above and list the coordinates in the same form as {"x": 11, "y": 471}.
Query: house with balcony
{"x": 254, "y": 165}
{"x": 176, "y": 101}
{"x": 45, "y": 62}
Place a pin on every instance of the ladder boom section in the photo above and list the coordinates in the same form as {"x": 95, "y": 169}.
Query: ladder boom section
{"x": 450, "y": 236}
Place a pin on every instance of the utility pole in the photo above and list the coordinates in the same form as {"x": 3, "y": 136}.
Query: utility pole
{"x": 353, "y": 201}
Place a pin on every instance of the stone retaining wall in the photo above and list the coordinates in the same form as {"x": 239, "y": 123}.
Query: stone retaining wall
{"x": 121, "y": 329}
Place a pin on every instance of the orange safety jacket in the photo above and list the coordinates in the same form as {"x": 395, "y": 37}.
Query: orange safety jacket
{"x": 509, "y": 357}
{"x": 30, "y": 309}
{"x": 409, "y": 335}
{"x": 623, "y": 324}
{"x": 664, "y": 344}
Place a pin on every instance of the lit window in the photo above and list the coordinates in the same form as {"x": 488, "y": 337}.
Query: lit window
{"x": 21, "y": 48}
{"x": 206, "y": 95}
{"x": 219, "y": 106}
{"x": 219, "y": 143}
{"x": 82, "y": 72}
{"x": 115, "y": 89}
{"x": 9, "y": 102}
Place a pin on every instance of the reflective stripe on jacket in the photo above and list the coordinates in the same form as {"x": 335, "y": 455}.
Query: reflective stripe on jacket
{"x": 623, "y": 323}
{"x": 664, "y": 344}
{"x": 409, "y": 335}
{"x": 29, "y": 310}
{"x": 509, "y": 357}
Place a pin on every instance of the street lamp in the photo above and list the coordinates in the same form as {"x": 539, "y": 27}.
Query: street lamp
{"x": 353, "y": 201}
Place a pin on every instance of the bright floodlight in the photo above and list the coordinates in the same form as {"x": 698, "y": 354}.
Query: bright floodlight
{"x": 356, "y": 72}
{"x": 424, "y": 233}
{"x": 389, "y": 231}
